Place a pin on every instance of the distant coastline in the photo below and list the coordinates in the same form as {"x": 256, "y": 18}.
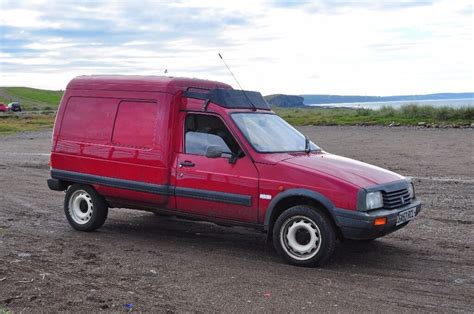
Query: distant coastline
{"x": 452, "y": 103}
{"x": 454, "y": 100}
{"x": 333, "y": 99}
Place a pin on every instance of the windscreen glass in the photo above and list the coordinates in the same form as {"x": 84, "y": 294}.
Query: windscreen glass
{"x": 268, "y": 133}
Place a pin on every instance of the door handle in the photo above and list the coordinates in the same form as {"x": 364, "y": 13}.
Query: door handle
{"x": 186, "y": 163}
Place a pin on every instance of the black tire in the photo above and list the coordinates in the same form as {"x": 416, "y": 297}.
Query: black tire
{"x": 85, "y": 209}
{"x": 297, "y": 224}
{"x": 367, "y": 241}
{"x": 158, "y": 214}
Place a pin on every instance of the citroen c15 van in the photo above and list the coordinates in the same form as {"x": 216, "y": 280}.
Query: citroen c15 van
{"x": 199, "y": 149}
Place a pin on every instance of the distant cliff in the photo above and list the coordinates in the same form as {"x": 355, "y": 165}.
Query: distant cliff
{"x": 281, "y": 100}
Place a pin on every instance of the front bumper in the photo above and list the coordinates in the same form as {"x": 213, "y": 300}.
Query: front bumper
{"x": 357, "y": 225}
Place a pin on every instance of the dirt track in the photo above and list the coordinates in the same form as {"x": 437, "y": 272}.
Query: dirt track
{"x": 166, "y": 264}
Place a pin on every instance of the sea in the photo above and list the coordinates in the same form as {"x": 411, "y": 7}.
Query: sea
{"x": 452, "y": 103}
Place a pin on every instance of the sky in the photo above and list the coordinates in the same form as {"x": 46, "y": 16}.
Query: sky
{"x": 338, "y": 47}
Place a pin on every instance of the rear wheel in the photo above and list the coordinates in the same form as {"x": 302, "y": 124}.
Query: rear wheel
{"x": 304, "y": 236}
{"x": 85, "y": 209}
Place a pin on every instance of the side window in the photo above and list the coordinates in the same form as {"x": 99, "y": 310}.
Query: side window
{"x": 202, "y": 131}
{"x": 135, "y": 124}
{"x": 197, "y": 143}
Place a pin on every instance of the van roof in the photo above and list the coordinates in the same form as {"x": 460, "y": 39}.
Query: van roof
{"x": 141, "y": 83}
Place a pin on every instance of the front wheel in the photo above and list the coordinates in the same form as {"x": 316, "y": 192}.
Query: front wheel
{"x": 304, "y": 236}
{"x": 85, "y": 209}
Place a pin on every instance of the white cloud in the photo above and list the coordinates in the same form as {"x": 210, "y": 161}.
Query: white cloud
{"x": 337, "y": 47}
{"x": 25, "y": 19}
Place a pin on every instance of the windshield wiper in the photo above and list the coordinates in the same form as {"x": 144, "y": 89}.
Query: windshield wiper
{"x": 307, "y": 147}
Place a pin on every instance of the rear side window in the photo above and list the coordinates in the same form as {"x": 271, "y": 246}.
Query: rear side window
{"x": 89, "y": 119}
{"x": 135, "y": 125}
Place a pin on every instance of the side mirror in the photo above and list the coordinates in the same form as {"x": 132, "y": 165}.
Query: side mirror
{"x": 214, "y": 152}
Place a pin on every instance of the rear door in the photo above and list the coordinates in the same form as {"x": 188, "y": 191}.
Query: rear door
{"x": 214, "y": 187}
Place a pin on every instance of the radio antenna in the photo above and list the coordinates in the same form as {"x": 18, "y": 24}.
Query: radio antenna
{"x": 240, "y": 86}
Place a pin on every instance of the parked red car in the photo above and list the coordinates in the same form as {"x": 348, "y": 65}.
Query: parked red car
{"x": 3, "y": 108}
{"x": 201, "y": 150}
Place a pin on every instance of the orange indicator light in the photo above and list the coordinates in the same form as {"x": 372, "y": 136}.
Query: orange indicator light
{"x": 381, "y": 221}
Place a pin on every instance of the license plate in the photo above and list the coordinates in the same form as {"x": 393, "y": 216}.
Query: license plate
{"x": 407, "y": 215}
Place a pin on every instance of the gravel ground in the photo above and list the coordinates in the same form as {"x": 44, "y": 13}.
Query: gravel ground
{"x": 141, "y": 262}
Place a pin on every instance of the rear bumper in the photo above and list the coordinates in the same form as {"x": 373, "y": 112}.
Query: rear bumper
{"x": 358, "y": 225}
{"x": 56, "y": 185}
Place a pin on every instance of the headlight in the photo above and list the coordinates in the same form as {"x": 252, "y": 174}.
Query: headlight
{"x": 411, "y": 190}
{"x": 373, "y": 200}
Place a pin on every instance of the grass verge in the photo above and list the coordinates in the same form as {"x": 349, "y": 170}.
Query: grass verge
{"x": 405, "y": 115}
{"x": 13, "y": 123}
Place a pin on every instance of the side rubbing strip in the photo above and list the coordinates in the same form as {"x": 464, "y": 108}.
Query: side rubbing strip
{"x": 223, "y": 197}
{"x": 112, "y": 182}
{"x": 230, "y": 198}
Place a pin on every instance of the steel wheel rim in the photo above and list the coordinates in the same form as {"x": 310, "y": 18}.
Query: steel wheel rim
{"x": 80, "y": 207}
{"x": 292, "y": 244}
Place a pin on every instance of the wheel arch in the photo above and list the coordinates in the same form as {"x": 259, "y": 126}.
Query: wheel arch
{"x": 58, "y": 185}
{"x": 294, "y": 197}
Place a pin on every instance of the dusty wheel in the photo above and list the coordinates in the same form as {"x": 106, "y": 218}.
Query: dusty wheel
{"x": 303, "y": 236}
{"x": 85, "y": 209}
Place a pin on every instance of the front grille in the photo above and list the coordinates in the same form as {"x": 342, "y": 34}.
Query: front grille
{"x": 396, "y": 199}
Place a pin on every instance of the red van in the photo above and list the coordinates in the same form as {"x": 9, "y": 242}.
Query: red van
{"x": 202, "y": 150}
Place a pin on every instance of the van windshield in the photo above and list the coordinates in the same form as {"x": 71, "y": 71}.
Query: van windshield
{"x": 268, "y": 133}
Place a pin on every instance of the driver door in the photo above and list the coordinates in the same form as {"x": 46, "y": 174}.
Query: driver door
{"x": 214, "y": 187}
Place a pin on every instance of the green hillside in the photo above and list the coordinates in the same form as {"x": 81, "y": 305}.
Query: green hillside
{"x": 31, "y": 98}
